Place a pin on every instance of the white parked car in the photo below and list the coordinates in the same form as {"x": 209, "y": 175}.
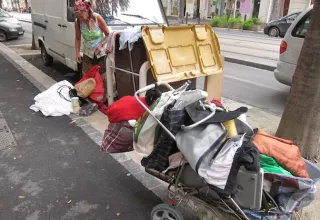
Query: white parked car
{"x": 291, "y": 46}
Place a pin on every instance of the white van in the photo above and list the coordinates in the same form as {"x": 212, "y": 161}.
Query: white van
{"x": 53, "y": 24}
{"x": 291, "y": 46}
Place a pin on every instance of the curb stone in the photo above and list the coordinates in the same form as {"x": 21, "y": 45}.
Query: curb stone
{"x": 251, "y": 64}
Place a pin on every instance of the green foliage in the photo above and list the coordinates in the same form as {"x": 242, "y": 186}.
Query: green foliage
{"x": 256, "y": 21}
{"x": 247, "y": 25}
{"x": 223, "y": 21}
{"x": 219, "y": 21}
{"x": 215, "y": 22}
{"x": 233, "y": 21}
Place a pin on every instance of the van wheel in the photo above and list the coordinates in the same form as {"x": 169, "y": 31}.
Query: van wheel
{"x": 273, "y": 32}
{"x": 3, "y": 36}
{"x": 46, "y": 58}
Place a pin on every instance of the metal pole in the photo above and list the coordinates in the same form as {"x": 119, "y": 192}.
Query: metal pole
{"x": 187, "y": 15}
{"x": 131, "y": 68}
{"x": 221, "y": 7}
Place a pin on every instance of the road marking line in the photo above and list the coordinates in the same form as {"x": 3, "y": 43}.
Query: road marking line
{"x": 253, "y": 83}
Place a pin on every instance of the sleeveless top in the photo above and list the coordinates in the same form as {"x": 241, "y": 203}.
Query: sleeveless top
{"x": 92, "y": 39}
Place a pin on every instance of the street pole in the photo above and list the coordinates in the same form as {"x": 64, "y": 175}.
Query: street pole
{"x": 221, "y": 7}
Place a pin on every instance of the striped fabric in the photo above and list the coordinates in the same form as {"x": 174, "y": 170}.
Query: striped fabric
{"x": 118, "y": 138}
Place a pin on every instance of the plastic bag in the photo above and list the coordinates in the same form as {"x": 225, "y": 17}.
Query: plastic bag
{"x": 98, "y": 93}
{"x": 129, "y": 35}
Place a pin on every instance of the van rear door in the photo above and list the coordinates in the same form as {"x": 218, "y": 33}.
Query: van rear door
{"x": 53, "y": 35}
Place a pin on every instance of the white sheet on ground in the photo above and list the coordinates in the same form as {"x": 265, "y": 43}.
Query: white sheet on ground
{"x": 50, "y": 103}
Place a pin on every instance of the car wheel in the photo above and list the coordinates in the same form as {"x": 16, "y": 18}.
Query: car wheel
{"x": 3, "y": 36}
{"x": 46, "y": 58}
{"x": 273, "y": 32}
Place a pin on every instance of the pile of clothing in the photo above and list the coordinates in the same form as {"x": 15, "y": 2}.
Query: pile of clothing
{"x": 215, "y": 149}
{"x": 122, "y": 115}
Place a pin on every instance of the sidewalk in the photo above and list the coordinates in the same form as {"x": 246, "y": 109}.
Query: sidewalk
{"x": 55, "y": 171}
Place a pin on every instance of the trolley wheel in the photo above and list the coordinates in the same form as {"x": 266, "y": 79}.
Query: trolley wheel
{"x": 165, "y": 212}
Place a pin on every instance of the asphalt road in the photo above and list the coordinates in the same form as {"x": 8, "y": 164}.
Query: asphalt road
{"x": 25, "y": 39}
{"x": 254, "y": 87}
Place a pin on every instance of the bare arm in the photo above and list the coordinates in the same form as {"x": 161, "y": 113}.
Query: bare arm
{"x": 104, "y": 28}
{"x": 78, "y": 36}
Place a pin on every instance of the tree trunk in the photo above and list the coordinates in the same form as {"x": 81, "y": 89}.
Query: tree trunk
{"x": 0, "y": 3}
{"x": 27, "y": 4}
{"x": 300, "y": 121}
{"x": 277, "y": 9}
{"x": 229, "y": 8}
{"x": 181, "y": 4}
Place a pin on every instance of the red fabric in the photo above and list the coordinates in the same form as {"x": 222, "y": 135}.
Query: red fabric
{"x": 98, "y": 93}
{"x": 217, "y": 103}
{"x": 125, "y": 109}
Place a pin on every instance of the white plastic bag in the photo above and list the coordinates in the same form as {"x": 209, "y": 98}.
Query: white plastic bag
{"x": 51, "y": 103}
{"x": 129, "y": 35}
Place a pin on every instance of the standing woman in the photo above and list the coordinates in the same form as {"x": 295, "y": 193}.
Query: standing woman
{"x": 94, "y": 31}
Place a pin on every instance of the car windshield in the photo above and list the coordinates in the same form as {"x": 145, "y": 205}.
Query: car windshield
{"x": 4, "y": 14}
{"x": 135, "y": 12}
{"x": 292, "y": 16}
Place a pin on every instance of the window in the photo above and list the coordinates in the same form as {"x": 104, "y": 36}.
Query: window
{"x": 301, "y": 29}
{"x": 70, "y": 11}
{"x": 292, "y": 17}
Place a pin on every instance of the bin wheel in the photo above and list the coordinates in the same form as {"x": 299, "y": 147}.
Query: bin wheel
{"x": 165, "y": 212}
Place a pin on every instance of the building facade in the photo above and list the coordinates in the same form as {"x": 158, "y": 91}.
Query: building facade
{"x": 207, "y": 9}
{"x": 298, "y": 5}
{"x": 203, "y": 8}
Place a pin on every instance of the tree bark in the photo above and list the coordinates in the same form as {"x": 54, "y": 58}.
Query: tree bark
{"x": 229, "y": 7}
{"x": 277, "y": 9}
{"x": 181, "y": 5}
{"x": 300, "y": 121}
{"x": 27, "y": 4}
